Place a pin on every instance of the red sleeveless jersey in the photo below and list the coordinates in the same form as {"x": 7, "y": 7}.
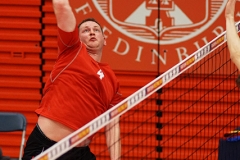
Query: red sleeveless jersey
{"x": 79, "y": 89}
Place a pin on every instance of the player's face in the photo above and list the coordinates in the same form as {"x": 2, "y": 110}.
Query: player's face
{"x": 91, "y": 34}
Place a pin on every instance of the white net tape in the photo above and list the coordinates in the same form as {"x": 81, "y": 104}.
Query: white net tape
{"x": 92, "y": 127}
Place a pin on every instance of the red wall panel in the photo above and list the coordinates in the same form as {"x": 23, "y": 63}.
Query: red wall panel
{"x": 20, "y": 50}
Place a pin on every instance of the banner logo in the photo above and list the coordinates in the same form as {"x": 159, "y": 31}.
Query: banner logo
{"x": 172, "y": 21}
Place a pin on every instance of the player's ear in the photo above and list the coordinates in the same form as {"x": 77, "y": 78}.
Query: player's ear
{"x": 105, "y": 42}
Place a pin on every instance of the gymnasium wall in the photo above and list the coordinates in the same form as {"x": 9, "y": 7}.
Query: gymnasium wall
{"x": 20, "y": 64}
{"x": 137, "y": 54}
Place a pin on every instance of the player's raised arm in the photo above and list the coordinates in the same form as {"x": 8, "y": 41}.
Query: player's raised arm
{"x": 64, "y": 15}
{"x": 233, "y": 40}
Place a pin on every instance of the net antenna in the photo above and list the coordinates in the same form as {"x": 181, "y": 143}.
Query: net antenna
{"x": 95, "y": 125}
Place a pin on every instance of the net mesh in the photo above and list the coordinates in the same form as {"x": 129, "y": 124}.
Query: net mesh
{"x": 187, "y": 117}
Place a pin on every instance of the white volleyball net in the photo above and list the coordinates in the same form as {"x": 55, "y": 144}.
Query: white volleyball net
{"x": 181, "y": 114}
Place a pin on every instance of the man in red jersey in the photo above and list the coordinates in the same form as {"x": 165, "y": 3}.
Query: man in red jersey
{"x": 233, "y": 40}
{"x": 79, "y": 89}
